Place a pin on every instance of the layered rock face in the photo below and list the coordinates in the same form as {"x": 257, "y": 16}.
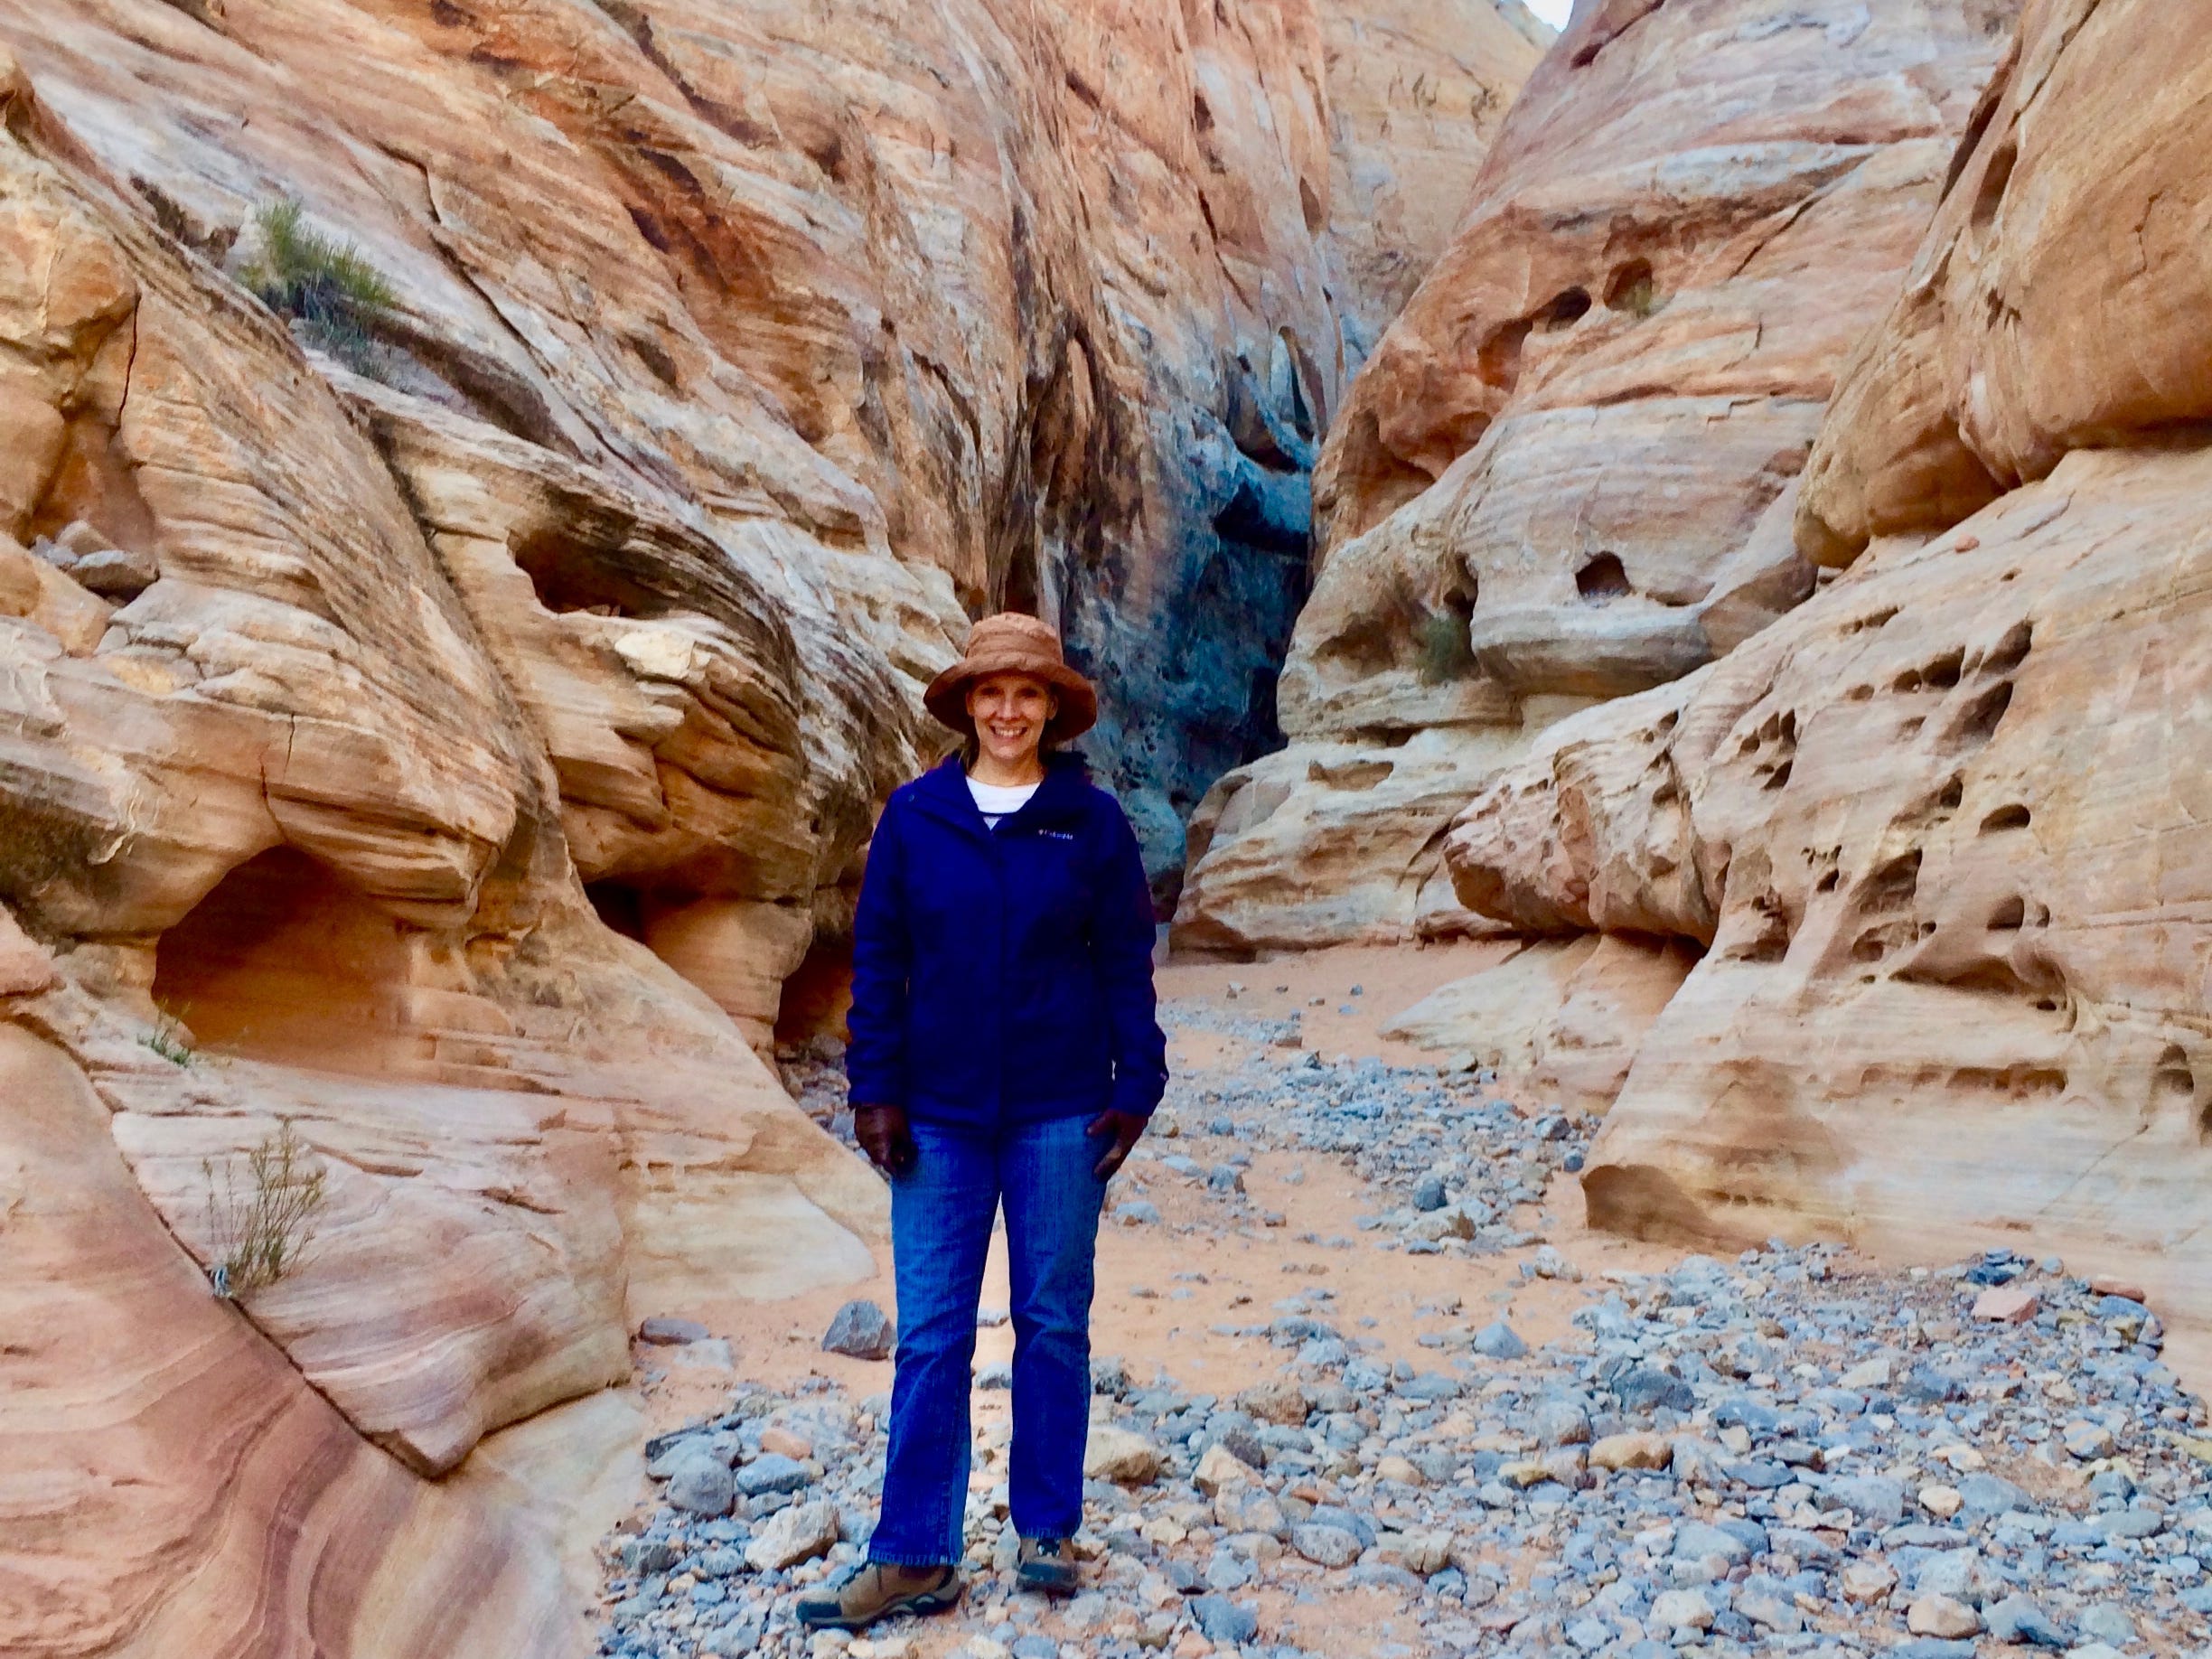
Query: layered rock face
{"x": 1940, "y": 828}
{"x": 444, "y": 724}
{"x": 1567, "y": 471}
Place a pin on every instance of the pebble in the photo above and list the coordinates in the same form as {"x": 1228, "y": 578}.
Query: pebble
{"x": 1940, "y": 1616}
{"x": 1122, "y": 1456}
{"x": 1499, "y": 1341}
{"x": 862, "y": 1330}
{"x": 797, "y": 1534}
{"x": 663, "y": 1330}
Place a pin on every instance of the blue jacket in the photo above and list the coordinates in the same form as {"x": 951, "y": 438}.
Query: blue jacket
{"x": 1004, "y": 977}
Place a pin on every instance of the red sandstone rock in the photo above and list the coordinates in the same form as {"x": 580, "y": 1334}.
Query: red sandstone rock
{"x": 2007, "y": 1304}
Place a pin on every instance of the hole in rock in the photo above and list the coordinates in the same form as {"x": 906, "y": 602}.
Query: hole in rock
{"x": 1978, "y": 724}
{"x": 1859, "y": 694}
{"x": 1827, "y": 884}
{"x": 570, "y": 576}
{"x": 2174, "y": 1080}
{"x": 1310, "y": 204}
{"x": 1995, "y": 178}
{"x": 1603, "y": 580}
{"x": 1892, "y": 885}
{"x": 1951, "y": 794}
{"x": 1631, "y": 289}
{"x": 283, "y": 961}
{"x": 2005, "y": 818}
{"x": 817, "y": 995}
{"x": 1780, "y": 777}
{"x": 1944, "y": 673}
{"x": 1564, "y": 310}
{"x": 2010, "y": 915}
{"x": 619, "y": 906}
{"x": 1911, "y": 727}
{"x": 1498, "y": 360}
{"x": 2009, "y": 651}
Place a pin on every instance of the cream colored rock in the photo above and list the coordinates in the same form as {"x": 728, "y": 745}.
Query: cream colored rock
{"x": 1122, "y": 1456}
{"x": 1633, "y": 1450}
{"x": 1218, "y": 1468}
{"x": 1567, "y": 471}
{"x": 2057, "y": 301}
{"x": 1568, "y": 1013}
{"x": 1951, "y": 988}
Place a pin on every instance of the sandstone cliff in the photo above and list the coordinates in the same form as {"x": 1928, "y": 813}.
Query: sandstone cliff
{"x": 444, "y": 698}
{"x": 1567, "y": 473}
{"x": 1940, "y": 828}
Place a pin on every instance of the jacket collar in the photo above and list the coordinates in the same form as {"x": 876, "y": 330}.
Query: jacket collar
{"x": 943, "y": 791}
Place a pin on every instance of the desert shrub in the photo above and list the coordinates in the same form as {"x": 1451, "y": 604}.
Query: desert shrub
{"x": 172, "y": 1042}
{"x": 261, "y": 1217}
{"x": 1445, "y": 652}
{"x": 322, "y": 282}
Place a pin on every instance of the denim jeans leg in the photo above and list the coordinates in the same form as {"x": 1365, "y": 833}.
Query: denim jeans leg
{"x": 1052, "y": 1209}
{"x": 942, "y": 1211}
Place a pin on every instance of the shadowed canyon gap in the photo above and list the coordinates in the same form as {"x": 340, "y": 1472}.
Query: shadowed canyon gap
{"x": 445, "y": 705}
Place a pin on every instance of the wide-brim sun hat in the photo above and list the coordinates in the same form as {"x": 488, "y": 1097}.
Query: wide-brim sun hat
{"x": 1012, "y": 644}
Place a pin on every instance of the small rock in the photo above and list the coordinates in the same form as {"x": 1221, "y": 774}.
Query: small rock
{"x": 1217, "y": 1468}
{"x": 1120, "y": 1456}
{"x": 862, "y": 1330}
{"x": 2007, "y": 1304}
{"x": 1560, "y": 1422}
{"x": 1429, "y": 1192}
{"x": 1280, "y": 1401}
{"x": 1223, "y": 1620}
{"x": 701, "y": 1485}
{"x": 1940, "y": 1616}
{"x": 797, "y": 1534}
{"x": 1942, "y": 1501}
{"x": 773, "y": 1472}
{"x": 2104, "y": 1621}
{"x": 1136, "y": 1212}
{"x": 1866, "y": 1581}
{"x": 2087, "y": 1440}
{"x": 664, "y": 1330}
{"x": 1701, "y": 1540}
{"x": 1875, "y": 1499}
{"x": 115, "y": 573}
{"x": 2111, "y": 1284}
{"x": 1327, "y": 1546}
{"x": 1498, "y": 1340}
{"x": 1631, "y": 1451}
{"x": 2020, "y": 1621}
{"x": 1680, "y": 1609}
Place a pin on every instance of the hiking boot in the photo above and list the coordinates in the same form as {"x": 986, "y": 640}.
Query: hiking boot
{"x": 878, "y": 1589}
{"x": 1046, "y": 1564}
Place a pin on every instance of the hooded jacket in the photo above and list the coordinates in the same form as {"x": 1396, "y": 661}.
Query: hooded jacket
{"x": 1004, "y": 976}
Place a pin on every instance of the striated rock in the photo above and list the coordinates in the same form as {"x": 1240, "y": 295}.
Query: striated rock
{"x": 1938, "y": 977}
{"x": 1938, "y": 825}
{"x": 175, "y": 1486}
{"x": 1567, "y": 471}
{"x": 1417, "y": 94}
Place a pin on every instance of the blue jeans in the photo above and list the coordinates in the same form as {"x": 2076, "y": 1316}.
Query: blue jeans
{"x": 942, "y": 1211}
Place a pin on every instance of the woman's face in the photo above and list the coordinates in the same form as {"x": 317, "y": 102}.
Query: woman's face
{"x": 1010, "y": 712}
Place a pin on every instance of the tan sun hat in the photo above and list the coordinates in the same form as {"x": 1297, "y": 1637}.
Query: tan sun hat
{"x": 1012, "y": 644}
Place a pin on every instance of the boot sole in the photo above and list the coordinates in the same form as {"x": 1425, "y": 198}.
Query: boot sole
{"x": 1061, "y": 1583}
{"x": 927, "y": 1601}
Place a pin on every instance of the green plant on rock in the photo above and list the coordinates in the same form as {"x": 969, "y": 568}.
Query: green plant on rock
{"x": 323, "y": 284}
{"x": 261, "y": 1218}
{"x": 172, "y": 1042}
{"x": 1445, "y": 650}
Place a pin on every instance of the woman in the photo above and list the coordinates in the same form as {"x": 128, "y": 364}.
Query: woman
{"x": 1004, "y": 1052}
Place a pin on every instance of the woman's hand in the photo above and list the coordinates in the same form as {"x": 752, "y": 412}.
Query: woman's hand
{"x": 883, "y": 1136}
{"x": 1126, "y": 1128}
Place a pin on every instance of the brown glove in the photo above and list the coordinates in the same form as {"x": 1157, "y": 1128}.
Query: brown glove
{"x": 883, "y": 1136}
{"x": 1127, "y": 1129}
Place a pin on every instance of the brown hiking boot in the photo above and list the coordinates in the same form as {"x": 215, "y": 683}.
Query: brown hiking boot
{"x": 1046, "y": 1564}
{"x": 878, "y": 1590}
